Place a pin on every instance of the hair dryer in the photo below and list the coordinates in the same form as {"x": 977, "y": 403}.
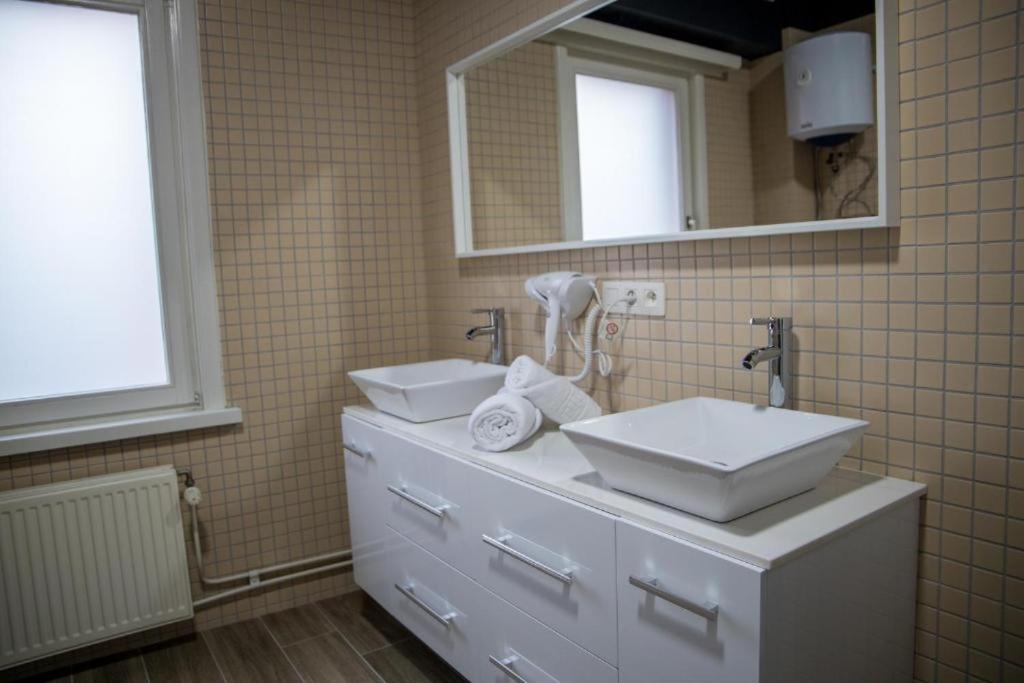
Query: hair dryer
{"x": 565, "y": 295}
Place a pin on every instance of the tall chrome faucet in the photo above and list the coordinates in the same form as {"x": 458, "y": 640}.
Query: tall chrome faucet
{"x": 495, "y": 329}
{"x": 777, "y": 352}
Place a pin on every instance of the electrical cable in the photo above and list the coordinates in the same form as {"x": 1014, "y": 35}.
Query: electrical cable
{"x": 853, "y": 196}
{"x": 604, "y": 361}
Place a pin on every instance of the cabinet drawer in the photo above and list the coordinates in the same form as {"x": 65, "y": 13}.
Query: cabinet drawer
{"x": 533, "y": 651}
{"x": 427, "y": 498}
{"x": 550, "y": 557}
{"x": 685, "y": 613}
{"x": 441, "y": 606}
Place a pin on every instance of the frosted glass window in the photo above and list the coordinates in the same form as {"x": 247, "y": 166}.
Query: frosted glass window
{"x": 80, "y": 304}
{"x": 629, "y": 158}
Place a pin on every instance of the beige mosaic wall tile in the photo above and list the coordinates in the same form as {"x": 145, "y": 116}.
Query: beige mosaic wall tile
{"x": 918, "y": 329}
{"x": 730, "y": 153}
{"x": 311, "y": 124}
{"x": 514, "y": 167}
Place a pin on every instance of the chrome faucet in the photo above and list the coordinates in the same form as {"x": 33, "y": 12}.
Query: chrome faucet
{"x": 495, "y": 329}
{"x": 777, "y": 352}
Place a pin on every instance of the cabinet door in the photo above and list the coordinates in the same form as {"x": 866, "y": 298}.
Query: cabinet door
{"x": 686, "y": 614}
{"x": 550, "y": 557}
{"x": 366, "y": 456}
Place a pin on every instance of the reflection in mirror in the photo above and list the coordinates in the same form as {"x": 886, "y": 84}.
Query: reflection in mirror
{"x": 647, "y": 118}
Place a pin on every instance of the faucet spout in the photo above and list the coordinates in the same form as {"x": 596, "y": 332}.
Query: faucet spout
{"x": 474, "y": 332}
{"x": 777, "y": 355}
{"x": 495, "y": 329}
{"x": 757, "y": 356}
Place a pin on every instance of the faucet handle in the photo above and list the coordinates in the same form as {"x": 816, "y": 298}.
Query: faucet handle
{"x": 770, "y": 321}
{"x": 492, "y": 313}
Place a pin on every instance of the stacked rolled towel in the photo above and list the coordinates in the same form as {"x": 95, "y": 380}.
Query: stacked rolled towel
{"x": 531, "y": 393}
{"x": 557, "y": 398}
{"x": 504, "y": 420}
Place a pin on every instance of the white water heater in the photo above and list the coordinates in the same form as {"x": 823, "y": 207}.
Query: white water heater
{"x": 830, "y": 88}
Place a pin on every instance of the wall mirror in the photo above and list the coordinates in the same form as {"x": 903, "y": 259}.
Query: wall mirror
{"x": 640, "y": 121}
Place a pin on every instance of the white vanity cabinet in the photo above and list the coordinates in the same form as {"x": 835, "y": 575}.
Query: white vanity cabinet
{"x": 523, "y": 566}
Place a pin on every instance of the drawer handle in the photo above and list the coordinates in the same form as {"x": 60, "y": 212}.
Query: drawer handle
{"x": 362, "y": 454}
{"x": 409, "y": 592}
{"x": 563, "y": 575}
{"x": 505, "y": 667}
{"x": 708, "y": 610}
{"x": 438, "y": 511}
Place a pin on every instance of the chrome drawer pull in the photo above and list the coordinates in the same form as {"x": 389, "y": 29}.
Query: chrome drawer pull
{"x": 437, "y": 511}
{"x": 443, "y": 619}
{"x": 563, "y": 575}
{"x": 708, "y": 610}
{"x": 505, "y": 667}
{"x": 362, "y": 454}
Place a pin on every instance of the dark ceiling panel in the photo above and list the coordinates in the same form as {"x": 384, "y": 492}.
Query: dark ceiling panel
{"x": 749, "y": 28}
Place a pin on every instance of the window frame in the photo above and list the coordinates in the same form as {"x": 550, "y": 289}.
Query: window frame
{"x": 194, "y": 396}
{"x": 691, "y": 136}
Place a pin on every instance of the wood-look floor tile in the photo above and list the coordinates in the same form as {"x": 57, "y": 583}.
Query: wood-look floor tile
{"x": 366, "y": 625}
{"x": 247, "y": 653}
{"x": 123, "y": 669}
{"x": 329, "y": 659}
{"x": 410, "y": 661}
{"x": 186, "y": 660}
{"x": 299, "y": 623}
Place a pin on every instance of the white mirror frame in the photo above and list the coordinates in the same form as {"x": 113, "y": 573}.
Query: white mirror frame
{"x": 887, "y": 117}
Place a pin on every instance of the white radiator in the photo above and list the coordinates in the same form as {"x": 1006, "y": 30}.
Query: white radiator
{"x": 89, "y": 560}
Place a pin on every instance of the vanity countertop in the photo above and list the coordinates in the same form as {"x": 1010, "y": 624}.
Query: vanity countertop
{"x": 765, "y": 538}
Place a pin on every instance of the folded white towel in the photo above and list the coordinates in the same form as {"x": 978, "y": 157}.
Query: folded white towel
{"x": 504, "y": 420}
{"x": 559, "y": 399}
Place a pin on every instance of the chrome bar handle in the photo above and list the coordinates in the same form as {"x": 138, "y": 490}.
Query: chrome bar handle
{"x": 505, "y": 667}
{"x": 776, "y": 325}
{"x": 362, "y": 454}
{"x": 563, "y": 575}
{"x": 492, "y": 313}
{"x": 438, "y": 511}
{"x": 443, "y": 619}
{"x": 708, "y": 610}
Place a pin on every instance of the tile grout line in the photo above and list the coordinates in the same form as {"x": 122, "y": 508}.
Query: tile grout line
{"x": 366, "y": 662}
{"x": 213, "y": 655}
{"x": 279, "y": 647}
{"x": 145, "y": 669}
{"x": 384, "y": 647}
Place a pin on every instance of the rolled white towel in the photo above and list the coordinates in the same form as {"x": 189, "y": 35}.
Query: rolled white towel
{"x": 559, "y": 399}
{"x": 503, "y": 421}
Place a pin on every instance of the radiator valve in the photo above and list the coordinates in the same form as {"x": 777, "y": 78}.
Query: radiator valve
{"x": 193, "y": 495}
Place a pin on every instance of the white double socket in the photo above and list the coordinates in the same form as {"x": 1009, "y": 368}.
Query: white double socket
{"x": 650, "y": 297}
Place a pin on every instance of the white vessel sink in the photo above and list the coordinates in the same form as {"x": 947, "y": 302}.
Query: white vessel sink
{"x": 435, "y": 390}
{"x": 714, "y": 458}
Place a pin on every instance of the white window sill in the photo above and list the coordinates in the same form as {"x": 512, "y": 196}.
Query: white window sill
{"x": 78, "y": 434}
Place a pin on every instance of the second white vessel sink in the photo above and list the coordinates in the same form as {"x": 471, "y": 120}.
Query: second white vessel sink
{"x": 435, "y": 390}
{"x": 714, "y": 458}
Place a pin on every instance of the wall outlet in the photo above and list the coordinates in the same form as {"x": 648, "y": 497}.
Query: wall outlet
{"x": 650, "y": 297}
